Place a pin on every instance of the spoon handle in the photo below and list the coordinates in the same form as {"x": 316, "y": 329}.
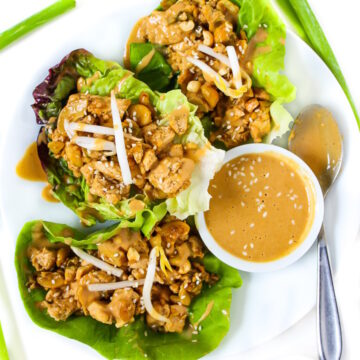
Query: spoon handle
{"x": 328, "y": 320}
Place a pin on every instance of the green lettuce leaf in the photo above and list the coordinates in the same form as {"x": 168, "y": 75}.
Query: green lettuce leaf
{"x": 157, "y": 74}
{"x": 268, "y": 63}
{"x": 282, "y": 122}
{"x": 135, "y": 341}
{"x": 144, "y": 220}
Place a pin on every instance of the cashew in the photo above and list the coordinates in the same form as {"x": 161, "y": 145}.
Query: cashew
{"x": 193, "y": 86}
{"x": 187, "y": 26}
{"x": 141, "y": 113}
{"x": 208, "y": 38}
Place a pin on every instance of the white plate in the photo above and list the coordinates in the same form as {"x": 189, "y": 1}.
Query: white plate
{"x": 267, "y": 304}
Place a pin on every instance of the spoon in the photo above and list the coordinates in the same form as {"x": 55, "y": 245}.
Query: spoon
{"x": 315, "y": 137}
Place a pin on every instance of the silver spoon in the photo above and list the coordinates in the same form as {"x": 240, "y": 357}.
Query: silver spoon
{"x": 316, "y": 139}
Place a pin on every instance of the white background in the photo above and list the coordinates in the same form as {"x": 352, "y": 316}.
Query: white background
{"x": 340, "y": 22}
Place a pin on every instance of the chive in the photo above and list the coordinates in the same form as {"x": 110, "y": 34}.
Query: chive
{"x": 301, "y": 14}
{"x": 293, "y": 19}
{"x": 3, "y": 350}
{"x": 34, "y": 21}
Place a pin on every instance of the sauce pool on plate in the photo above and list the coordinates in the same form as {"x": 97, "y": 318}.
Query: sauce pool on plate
{"x": 262, "y": 207}
{"x": 29, "y": 168}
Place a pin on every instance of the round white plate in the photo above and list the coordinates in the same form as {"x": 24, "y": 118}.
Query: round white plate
{"x": 267, "y": 304}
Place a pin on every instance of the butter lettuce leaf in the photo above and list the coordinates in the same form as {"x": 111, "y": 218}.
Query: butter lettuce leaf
{"x": 269, "y": 62}
{"x": 135, "y": 341}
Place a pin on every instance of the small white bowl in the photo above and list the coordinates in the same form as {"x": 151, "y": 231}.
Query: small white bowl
{"x": 300, "y": 250}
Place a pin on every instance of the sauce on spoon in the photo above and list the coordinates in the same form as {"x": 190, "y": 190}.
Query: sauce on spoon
{"x": 316, "y": 139}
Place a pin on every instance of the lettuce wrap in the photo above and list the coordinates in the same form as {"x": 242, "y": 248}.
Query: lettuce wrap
{"x": 99, "y": 79}
{"x": 267, "y": 59}
{"x": 209, "y": 312}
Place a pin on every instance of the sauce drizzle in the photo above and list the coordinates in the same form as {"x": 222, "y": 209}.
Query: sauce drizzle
{"x": 145, "y": 61}
{"x": 29, "y": 168}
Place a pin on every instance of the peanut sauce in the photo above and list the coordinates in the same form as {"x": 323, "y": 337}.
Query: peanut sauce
{"x": 262, "y": 207}
{"x": 47, "y": 194}
{"x": 145, "y": 61}
{"x": 29, "y": 168}
{"x": 134, "y": 37}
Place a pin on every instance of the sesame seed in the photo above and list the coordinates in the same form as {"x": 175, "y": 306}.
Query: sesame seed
{"x": 214, "y": 186}
{"x": 291, "y": 241}
{"x": 264, "y": 214}
{"x": 259, "y": 159}
{"x": 242, "y": 204}
{"x": 244, "y": 253}
{"x": 278, "y": 194}
{"x": 245, "y": 247}
{"x": 292, "y": 174}
{"x": 224, "y": 311}
{"x": 247, "y": 190}
{"x": 267, "y": 187}
{"x": 267, "y": 175}
{"x": 293, "y": 221}
{"x": 260, "y": 193}
{"x": 220, "y": 196}
{"x": 281, "y": 163}
{"x": 229, "y": 172}
{"x": 242, "y": 174}
{"x": 252, "y": 174}
{"x": 295, "y": 206}
{"x": 252, "y": 225}
{"x": 252, "y": 245}
{"x": 232, "y": 232}
{"x": 239, "y": 182}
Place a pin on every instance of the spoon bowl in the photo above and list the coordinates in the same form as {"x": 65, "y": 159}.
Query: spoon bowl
{"x": 315, "y": 138}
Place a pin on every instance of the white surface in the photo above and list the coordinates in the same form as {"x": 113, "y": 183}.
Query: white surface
{"x": 298, "y": 252}
{"x": 299, "y": 340}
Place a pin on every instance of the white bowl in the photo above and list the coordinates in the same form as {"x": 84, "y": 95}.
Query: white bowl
{"x": 300, "y": 250}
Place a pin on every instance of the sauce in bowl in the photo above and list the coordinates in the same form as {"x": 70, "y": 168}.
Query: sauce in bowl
{"x": 266, "y": 209}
